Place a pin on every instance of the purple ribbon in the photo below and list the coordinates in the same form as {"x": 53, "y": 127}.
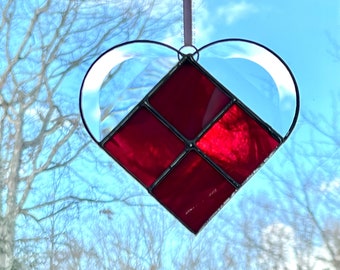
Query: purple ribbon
{"x": 187, "y": 21}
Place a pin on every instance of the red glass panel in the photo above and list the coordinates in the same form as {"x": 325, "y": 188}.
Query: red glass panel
{"x": 193, "y": 191}
{"x": 189, "y": 100}
{"x": 141, "y": 146}
{"x": 237, "y": 143}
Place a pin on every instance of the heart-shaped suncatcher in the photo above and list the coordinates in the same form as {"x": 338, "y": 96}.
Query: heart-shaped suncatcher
{"x": 191, "y": 128}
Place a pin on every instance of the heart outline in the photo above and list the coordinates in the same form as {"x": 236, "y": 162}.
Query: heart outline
{"x": 282, "y": 140}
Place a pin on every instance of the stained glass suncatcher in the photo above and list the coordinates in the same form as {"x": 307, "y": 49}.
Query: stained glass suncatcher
{"x": 191, "y": 143}
{"x": 190, "y": 128}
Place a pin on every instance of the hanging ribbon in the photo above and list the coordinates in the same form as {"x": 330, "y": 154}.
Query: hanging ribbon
{"x": 187, "y": 21}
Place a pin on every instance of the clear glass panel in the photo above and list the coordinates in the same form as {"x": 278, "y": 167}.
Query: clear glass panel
{"x": 257, "y": 77}
{"x": 119, "y": 80}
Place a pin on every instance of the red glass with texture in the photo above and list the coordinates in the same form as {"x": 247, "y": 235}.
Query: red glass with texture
{"x": 237, "y": 143}
{"x": 144, "y": 146}
{"x": 193, "y": 191}
{"x": 189, "y": 100}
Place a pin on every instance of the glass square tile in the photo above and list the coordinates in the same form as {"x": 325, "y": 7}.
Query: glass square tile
{"x": 188, "y": 99}
{"x": 193, "y": 191}
{"x": 144, "y": 146}
{"x": 237, "y": 143}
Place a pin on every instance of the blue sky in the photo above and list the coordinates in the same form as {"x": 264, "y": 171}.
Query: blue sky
{"x": 298, "y": 31}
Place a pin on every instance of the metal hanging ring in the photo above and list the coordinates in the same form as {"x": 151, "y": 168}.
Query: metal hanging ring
{"x": 189, "y": 50}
